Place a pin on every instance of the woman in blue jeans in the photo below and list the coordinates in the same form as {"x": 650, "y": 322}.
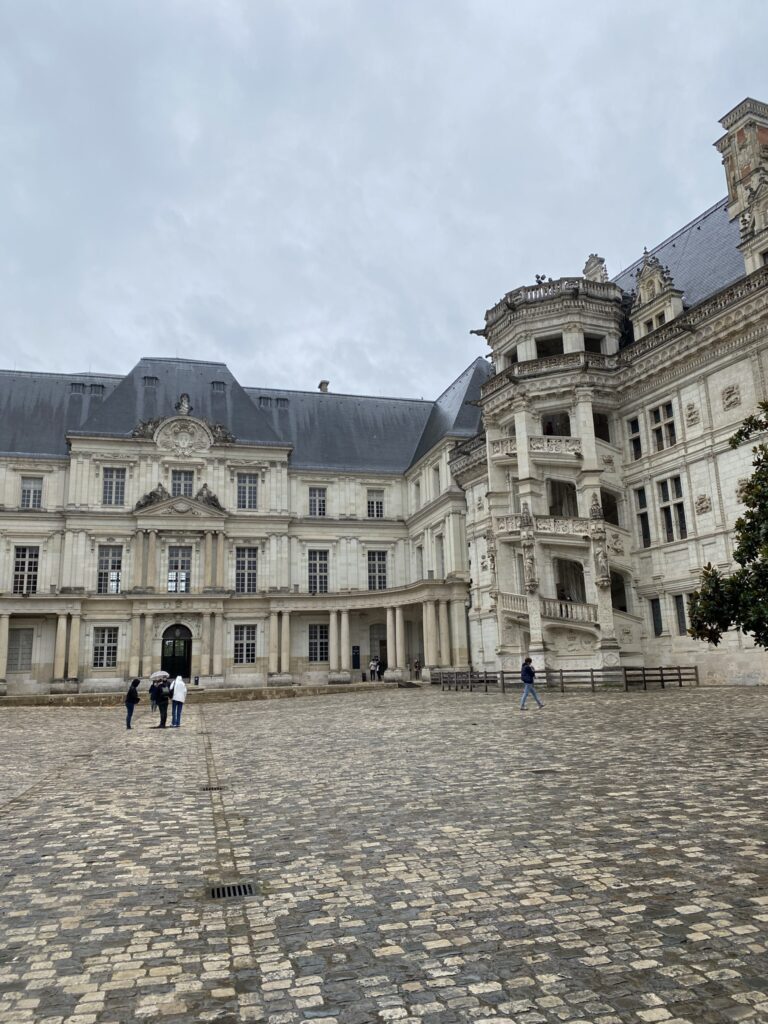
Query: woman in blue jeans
{"x": 131, "y": 700}
{"x": 528, "y": 675}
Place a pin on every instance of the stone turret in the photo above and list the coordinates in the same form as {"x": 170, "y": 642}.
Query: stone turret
{"x": 744, "y": 148}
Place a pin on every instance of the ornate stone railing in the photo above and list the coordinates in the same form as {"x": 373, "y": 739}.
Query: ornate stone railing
{"x": 550, "y": 445}
{"x": 467, "y": 454}
{"x": 560, "y": 525}
{"x": 568, "y": 361}
{"x": 515, "y": 603}
{"x": 504, "y": 447}
{"x": 546, "y": 291}
{"x": 572, "y": 611}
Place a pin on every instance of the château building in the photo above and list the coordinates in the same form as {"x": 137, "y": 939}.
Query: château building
{"x": 558, "y": 500}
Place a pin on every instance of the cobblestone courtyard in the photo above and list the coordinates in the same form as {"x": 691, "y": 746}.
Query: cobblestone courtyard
{"x": 416, "y": 856}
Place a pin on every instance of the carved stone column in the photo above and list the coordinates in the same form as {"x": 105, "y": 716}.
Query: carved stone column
{"x": 273, "y": 643}
{"x": 218, "y": 643}
{"x": 146, "y": 658}
{"x": 220, "y": 558}
{"x": 205, "y": 653}
{"x": 430, "y": 634}
{"x": 400, "y": 636}
{"x": 4, "y": 621}
{"x": 285, "y": 649}
{"x": 208, "y": 559}
{"x": 60, "y": 650}
{"x": 393, "y": 672}
{"x": 346, "y": 654}
{"x": 152, "y": 573}
{"x": 445, "y": 641}
{"x": 133, "y": 660}
{"x": 333, "y": 641}
{"x": 73, "y": 656}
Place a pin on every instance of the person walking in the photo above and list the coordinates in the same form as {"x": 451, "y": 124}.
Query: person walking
{"x": 162, "y": 693}
{"x": 132, "y": 698}
{"x": 178, "y": 696}
{"x": 528, "y": 676}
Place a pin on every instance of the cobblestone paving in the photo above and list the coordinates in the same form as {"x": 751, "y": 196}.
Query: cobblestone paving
{"x": 417, "y": 857}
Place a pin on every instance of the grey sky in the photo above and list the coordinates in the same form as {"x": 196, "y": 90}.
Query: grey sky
{"x": 320, "y": 188}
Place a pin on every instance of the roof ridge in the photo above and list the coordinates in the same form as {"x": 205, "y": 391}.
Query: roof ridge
{"x": 65, "y": 376}
{"x": 339, "y": 394}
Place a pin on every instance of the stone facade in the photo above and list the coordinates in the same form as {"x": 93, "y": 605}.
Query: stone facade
{"x": 560, "y": 502}
{"x": 604, "y": 481}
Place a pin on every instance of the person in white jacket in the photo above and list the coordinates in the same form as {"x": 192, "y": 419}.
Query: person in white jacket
{"x": 178, "y": 696}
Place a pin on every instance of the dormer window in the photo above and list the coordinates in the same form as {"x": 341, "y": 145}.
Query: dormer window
{"x": 218, "y": 386}
{"x": 657, "y": 301}
{"x": 97, "y": 390}
{"x": 77, "y": 389}
{"x": 150, "y": 382}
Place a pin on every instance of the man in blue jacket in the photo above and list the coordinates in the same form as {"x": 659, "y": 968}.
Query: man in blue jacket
{"x": 528, "y": 675}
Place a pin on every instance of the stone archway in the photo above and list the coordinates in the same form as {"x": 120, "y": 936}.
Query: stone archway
{"x": 176, "y": 651}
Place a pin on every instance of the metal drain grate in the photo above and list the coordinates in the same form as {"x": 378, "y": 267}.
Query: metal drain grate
{"x": 211, "y": 789}
{"x": 232, "y": 891}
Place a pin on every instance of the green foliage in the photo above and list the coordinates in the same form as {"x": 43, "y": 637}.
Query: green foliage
{"x": 740, "y": 600}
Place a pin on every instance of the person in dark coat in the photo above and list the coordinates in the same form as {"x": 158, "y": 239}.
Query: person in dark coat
{"x": 528, "y": 676}
{"x": 132, "y": 698}
{"x": 153, "y": 688}
{"x": 162, "y": 693}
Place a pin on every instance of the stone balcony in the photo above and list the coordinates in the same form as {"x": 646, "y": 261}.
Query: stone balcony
{"x": 566, "y": 362}
{"x": 551, "y": 608}
{"x": 545, "y": 447}
{"x": 468, "y": 454}
{"x": 576, "y": 527}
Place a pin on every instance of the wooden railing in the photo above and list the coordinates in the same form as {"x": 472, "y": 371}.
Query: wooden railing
{"x": 619, "y": 678}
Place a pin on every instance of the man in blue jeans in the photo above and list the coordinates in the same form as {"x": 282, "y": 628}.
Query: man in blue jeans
{"x": 528, "y": 675}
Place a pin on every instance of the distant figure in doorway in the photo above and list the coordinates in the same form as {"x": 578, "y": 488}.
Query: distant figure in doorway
{"x": 132, "y": 698}
{"x": 372, "y": 669}
{"x": 178, "y": 696}
{"x": 417, "y": 668}
{"x": 162, "y": 693}
{"x": 528, "y": 676}
{"x": 379, "y": 669}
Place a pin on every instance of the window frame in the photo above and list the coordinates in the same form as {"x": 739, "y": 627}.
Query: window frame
{"x": 657, "y": 617}
{"x": 106, "y": 640}
{"x": 113, "y": 485}
{"x": 642, "y": 517}
{"x": 318, "y": 643}
{"x": 31, "y": 496}
{"x": 671, "y": 504}
{"x": 244, "y": 644}
{"x": 109, "y": 575}
{"x": 377, "y": 570}
{"x": 662, "y": 424}
{"x": 246, "y": 569}
{"x": 18, "y": 648}
{"x": 179, "y": 575}
{"x": 375, "y": 505}
{"x": 182, "y": 483}
{"x": 317, "y": 570}
{"x": 317, "y": 502}
{"x": 635, "y": 438}
{"x": 26, "y": 568}
{"x": 247, "y": 486}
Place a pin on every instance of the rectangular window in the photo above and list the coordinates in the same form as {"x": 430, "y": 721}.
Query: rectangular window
{"x": 245, "y": 645}
{"x": 182, "y": 483}
{"x": 113, "y": 488}
{"x": 435, "y": 481}
{"x": 672, "y": 508}
{"x": 179, "y": 570}
{"x": 245, "y": 570}
{"x": 643, "y": 524}
{"x": 317, "y": 501}
{"x": 416, "y": 495}
{"x": 20, "y": 650}
{"x": 377, "y": 570}
{"x": 419, "y": 562}
{"x": 109, "y": 567}
{"x": 658, "y": 624}
{"x": 660, "y": 320}
{"x": 663, "y": 426}
{"x": 318, "y": 572}
{"x": 318, "y": 643}
{"x": 376, "y": 504}
{"x": 105, "y": 647}
{"x": 439, "y": 557}
{"x": 682, "y": 625}
{"x": 633, "y": 429}
{"x": 26, "y": 561}
{"x": 31, "y": 492}
{"x": 602, "y": 426}
{"x": 247, "y": 490}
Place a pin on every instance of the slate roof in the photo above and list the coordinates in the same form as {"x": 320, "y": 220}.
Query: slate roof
{"x": 325, "y": 431}
{"x": 702, "y": 256}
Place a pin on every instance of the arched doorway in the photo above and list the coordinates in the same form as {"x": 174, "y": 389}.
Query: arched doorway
{"x": 176, "y": 657}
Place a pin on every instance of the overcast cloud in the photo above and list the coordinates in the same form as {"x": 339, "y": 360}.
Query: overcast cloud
{"x": 321, "y": 188}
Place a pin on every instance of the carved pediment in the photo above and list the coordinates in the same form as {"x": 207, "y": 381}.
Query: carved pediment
{"x": 159, "y": 502}
{"x": 184, "y": 434}
{"x": 653, "y": 279}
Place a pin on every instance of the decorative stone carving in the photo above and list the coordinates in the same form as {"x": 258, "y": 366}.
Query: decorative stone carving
{"x": 703, "y": 504}
{"x": 529, "y": 568}
{"x": 615, "y": 544}
{"x": 183, "y": 407}
{"x": 147, "y": 428}
{"x": 183, "y": 437}
{"x": 691, "y": 414}
{"x": 163, "y": 622}
{"x": 595, "y": 509}
{"x": 740, "y": 488}
{"x": 154, "y": 496}
{"x": 608, "y": 461}
{"x": 220, "y": 433}
{"x": 595, "y": 268}
{"x": 555, "y": 445}
{"x": 731, "y": 396}
{"x": 602, "y": 568}
{"x": 207, "y": 497}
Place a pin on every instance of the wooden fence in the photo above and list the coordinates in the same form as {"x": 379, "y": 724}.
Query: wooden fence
{"x": 620, "y": 678}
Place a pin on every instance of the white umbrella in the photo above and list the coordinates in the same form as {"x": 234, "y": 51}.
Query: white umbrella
{"x": 160, "y": 675}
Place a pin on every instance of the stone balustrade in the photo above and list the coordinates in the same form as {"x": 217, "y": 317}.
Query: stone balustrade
{"x": 567, "y": 361}
{"x": 549, "y": 445}
{"x": 562, "y": 526}
{"x": 570, "y": 611}
{"x": 517, "y": 604}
